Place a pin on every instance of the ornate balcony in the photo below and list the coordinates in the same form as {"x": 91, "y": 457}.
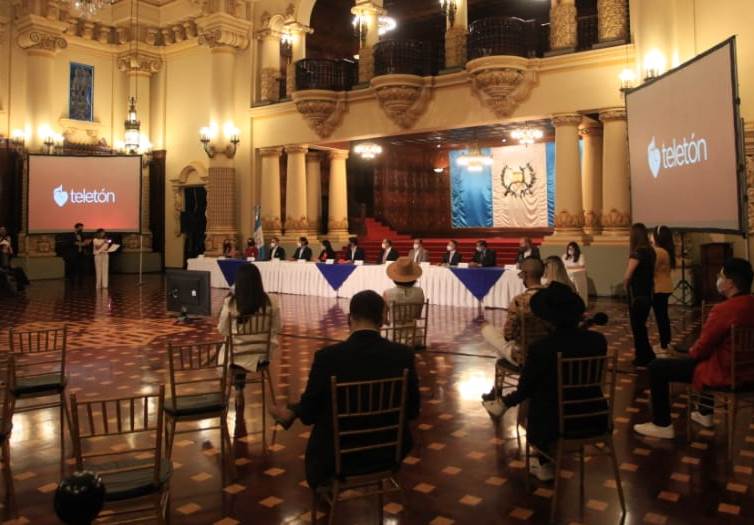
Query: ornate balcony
{"x": 502, "y": 36}
{"x": 332, "y": 75}
{"x": 404, "y": 57}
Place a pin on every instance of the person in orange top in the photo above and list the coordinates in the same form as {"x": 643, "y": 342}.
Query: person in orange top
{"x": 663, "y": 284}
{"x": 709, "y": 361}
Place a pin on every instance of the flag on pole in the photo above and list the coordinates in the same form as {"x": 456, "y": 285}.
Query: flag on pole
{"x": 258, "y": 232}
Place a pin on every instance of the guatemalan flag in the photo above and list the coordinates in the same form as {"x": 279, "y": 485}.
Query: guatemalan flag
{"x": 258, "y": 233}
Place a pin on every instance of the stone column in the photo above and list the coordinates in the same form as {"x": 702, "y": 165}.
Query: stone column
{"x": 270, "y": 198}
{"x": 569, "y": 212}
{"x": 298, "y": 52}
{"x": 563, "y": 37}
{"x": 269, "y": 73}
{"x": 456, "y": 32}
{"x": 370, "y": 12}
{"x": 296, "y": 222}
{"x": 616, "y": 196}
{"x": 314, "y": 191}
{"x": 591, "y": 175}
{"x": 337, "y": 221}
{"x": 612, "y": 21}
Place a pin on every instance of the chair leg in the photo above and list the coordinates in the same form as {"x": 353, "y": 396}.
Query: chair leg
{"x": 315, "y": 506}
{"x": 270, "y": 386}
{"x": 264, "y": 416}
{"x": 616, "y": 470}
{"x": 581, "y": 480}
{"x": 527, "y": 461}
{"x": 170, "y": 436}
{"x": 556, "y": 482}
{"x": 732, "y": 406}
{"x": 689, "y": 409}
{"x": 10, "y": 492}
{"x": 228, "y": 457}
{"x": 380, "y": 502}
{"x": 334, "y": 504}
{"x": 63, "y": 417}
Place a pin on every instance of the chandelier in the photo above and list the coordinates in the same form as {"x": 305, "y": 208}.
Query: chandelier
{"x": 474, "y": 160}
{"x": 527, "y": 136}
{"x": 385, "y": 24}
{"x": 89, "y": 7}
{"x": 367, "y": 150}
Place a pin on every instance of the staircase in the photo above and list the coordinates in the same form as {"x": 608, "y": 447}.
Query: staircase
{"x": 506, "y": 248}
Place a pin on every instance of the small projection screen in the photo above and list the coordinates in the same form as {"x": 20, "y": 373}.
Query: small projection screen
{"x": 683, "y": 134}
{"x": 100, "y": 192}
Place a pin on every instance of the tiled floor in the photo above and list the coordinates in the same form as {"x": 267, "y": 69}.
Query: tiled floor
{"x": 464, "y": 470}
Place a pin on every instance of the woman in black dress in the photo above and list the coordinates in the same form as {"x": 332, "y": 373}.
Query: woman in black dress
{"x": 639, "y": 284}
{"x": 327, "y": 251}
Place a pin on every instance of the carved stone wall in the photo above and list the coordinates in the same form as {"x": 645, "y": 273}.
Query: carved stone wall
{"x": 270, "y": 90}
{"x": 403, "y": 98}
{"x": 455, "y": 46}
{"x": 322, "y": 110}
{"x": 366, "y": 64}
{"x": 563, "y": 25}
{"x": 501, "y": 82}
{"x": 221, "y": 208}
{"x": 612, "y": 20}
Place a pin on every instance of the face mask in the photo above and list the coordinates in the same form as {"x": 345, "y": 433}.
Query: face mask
{"x": 570, "y": 252}
{"x": 719, "y": 284}
{"x": 274, "y": 244}
{"x": 479, "y": 249}
{"x": 449, "y": 248}
{"x": 384, "y": 246}
{"x": 416, "y": 246}
{"x": 298, "y": 244}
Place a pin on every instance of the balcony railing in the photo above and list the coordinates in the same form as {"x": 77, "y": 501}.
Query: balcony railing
{"x": 409, "y": 57}
{"x": 333, "y": 75}
{"x": 502, "y": 36}
{"x": 587, "y": 32}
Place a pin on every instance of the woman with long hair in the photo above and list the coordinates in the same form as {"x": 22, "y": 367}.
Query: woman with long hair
{"x": 555, "y": 272}
{"x": 327, "y": 251}
{"x": 248, "y": 298}
{"x": 573, "y": 258}
{"x": 639, "y": 284}
{"x": 663, "y": 284}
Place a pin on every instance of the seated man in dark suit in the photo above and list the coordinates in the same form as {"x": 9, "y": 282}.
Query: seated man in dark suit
{"x": 353, "y": 252}
{"x": 365, "y": 356}
{"x": 451, "y": 257}
{"x": 303, "y": 252}
{"x": 275, "y": 251}
{"x": 483, "y": 256}
{"x": 526, "y": 249}
{"x": 388, "y": 253}
{"x": 563, "y": 309}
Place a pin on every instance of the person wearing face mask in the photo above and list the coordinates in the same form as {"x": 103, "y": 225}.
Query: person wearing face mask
{"x": 327, "y": 251}
{"x": 353, "y": 252}
{"x": 573, "y": 258}
{"x": 451, "y": 257}
{"x": 526, "y": 249}
{"x": 388, "y": 252}
{"x": 708, "y": 363}
{"x": 251, "y": 249}
{"x": 303, "y": 252}
{"x": 418, "y": 254}
{"x": 276, "y": 251}
{"x": 483, "y": 256}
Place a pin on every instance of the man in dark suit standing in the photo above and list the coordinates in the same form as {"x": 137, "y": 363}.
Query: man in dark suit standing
{"x": 526, "y": 249}
{"x": 79, "y": 257}
{"x": 276, "y": 251}
{"x": 353, "y": 252}
{"x": 365, "y": 356}
{"x": 388, "y": 253}
{"x": 303, "y": 252}
{"x": 483, "y": 256}
{"x": 451, "y": 257}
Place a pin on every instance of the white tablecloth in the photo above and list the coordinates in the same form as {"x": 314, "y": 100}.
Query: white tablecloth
{"x": 439, "y": 284}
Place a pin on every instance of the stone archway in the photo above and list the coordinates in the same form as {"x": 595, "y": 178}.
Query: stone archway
{"x": 193, "y": 174}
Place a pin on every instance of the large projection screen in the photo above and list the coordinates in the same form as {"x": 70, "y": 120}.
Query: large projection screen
{"x": 683, "y": 131}
{"x": 100, "y": 192}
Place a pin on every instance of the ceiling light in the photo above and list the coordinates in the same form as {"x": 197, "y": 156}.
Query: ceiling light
{"x": 89, "y": 7}
{"x": 438, "y": 170}
{"x": 367, "y": 150}
{"x": 527, "y": 136}
{"x": 385, "y": 24}
{"x": 474, "y": 160}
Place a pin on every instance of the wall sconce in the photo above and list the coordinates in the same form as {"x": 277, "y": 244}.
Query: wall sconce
{"x": 361, "y": 28}
{"x": 654, "y": 64}
{"x": 208, "y": 133}
{"x": 286, "y": 44}
{"x": 449, "y": 9}
{"x": 18, "y": 139}
{"x": 627, "y": 79}
{"x": 50, "y": 139}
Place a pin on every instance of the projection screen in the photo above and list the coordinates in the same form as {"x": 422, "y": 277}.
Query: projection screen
{"x": 683, "y": 134}
{"x": 100, "y": 192}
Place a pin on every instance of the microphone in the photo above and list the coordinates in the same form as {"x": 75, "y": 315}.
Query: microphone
{"x": 598, "y": 319}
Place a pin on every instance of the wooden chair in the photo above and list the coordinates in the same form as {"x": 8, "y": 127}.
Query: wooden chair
{"x": 6, "y": 425}
{"x": 199, "y": 389}
{"x": 39, "y": 372}
{"x": 739, "y": 394}
{"x": 368, "y": 416}
{"x": 121, "y": 440}
{"x": 583, "y": 375}
{"x": 257, "y": 329}
{"x": 532, "y": 330}
{"x": 408, "y": 324}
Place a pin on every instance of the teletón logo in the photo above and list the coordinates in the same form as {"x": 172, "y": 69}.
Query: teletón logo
{"x": 680, "y": 153}
{"x": 61, "y": 197}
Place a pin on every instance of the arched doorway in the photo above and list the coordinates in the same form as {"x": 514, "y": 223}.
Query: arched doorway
{"x": 190, "y": 208}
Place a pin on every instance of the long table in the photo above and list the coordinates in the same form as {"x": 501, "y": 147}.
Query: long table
{"x": 442, "y": 286}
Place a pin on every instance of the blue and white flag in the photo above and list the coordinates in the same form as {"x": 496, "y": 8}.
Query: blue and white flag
{"x": 258, "y": 233}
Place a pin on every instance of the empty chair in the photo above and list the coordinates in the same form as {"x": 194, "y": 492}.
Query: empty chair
{"x": 39, "y": 372}
{"x": 121, "y": 440}
{"x": 199, "y": 389}
{"x": 368, "y": 423}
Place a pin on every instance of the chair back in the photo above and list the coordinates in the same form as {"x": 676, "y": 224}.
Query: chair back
{"x": 7, "y": 374}
{"x": 199, "y": 368}
{"x": 368, "y": 417}
{"x": 408, "y": 323}
{"x": 533, "y": 329}
{"x": 38, "y": 352}
{"x": 108, "y": 434}
{"x": 742, "y": 356}
{"x": 586, "y": 389}
{"x": 258, "y": 325}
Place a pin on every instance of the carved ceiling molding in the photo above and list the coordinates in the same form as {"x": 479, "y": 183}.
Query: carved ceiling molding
{"x": 223, "y": 30}
{"x": 501, "y": 82}
{"x": 322, "y": 110}
{"x": 81, "y": 132}
{"x": 139, "y": 62}
{"x": 403, "y": 98}
{"x": 38, "y": 33}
